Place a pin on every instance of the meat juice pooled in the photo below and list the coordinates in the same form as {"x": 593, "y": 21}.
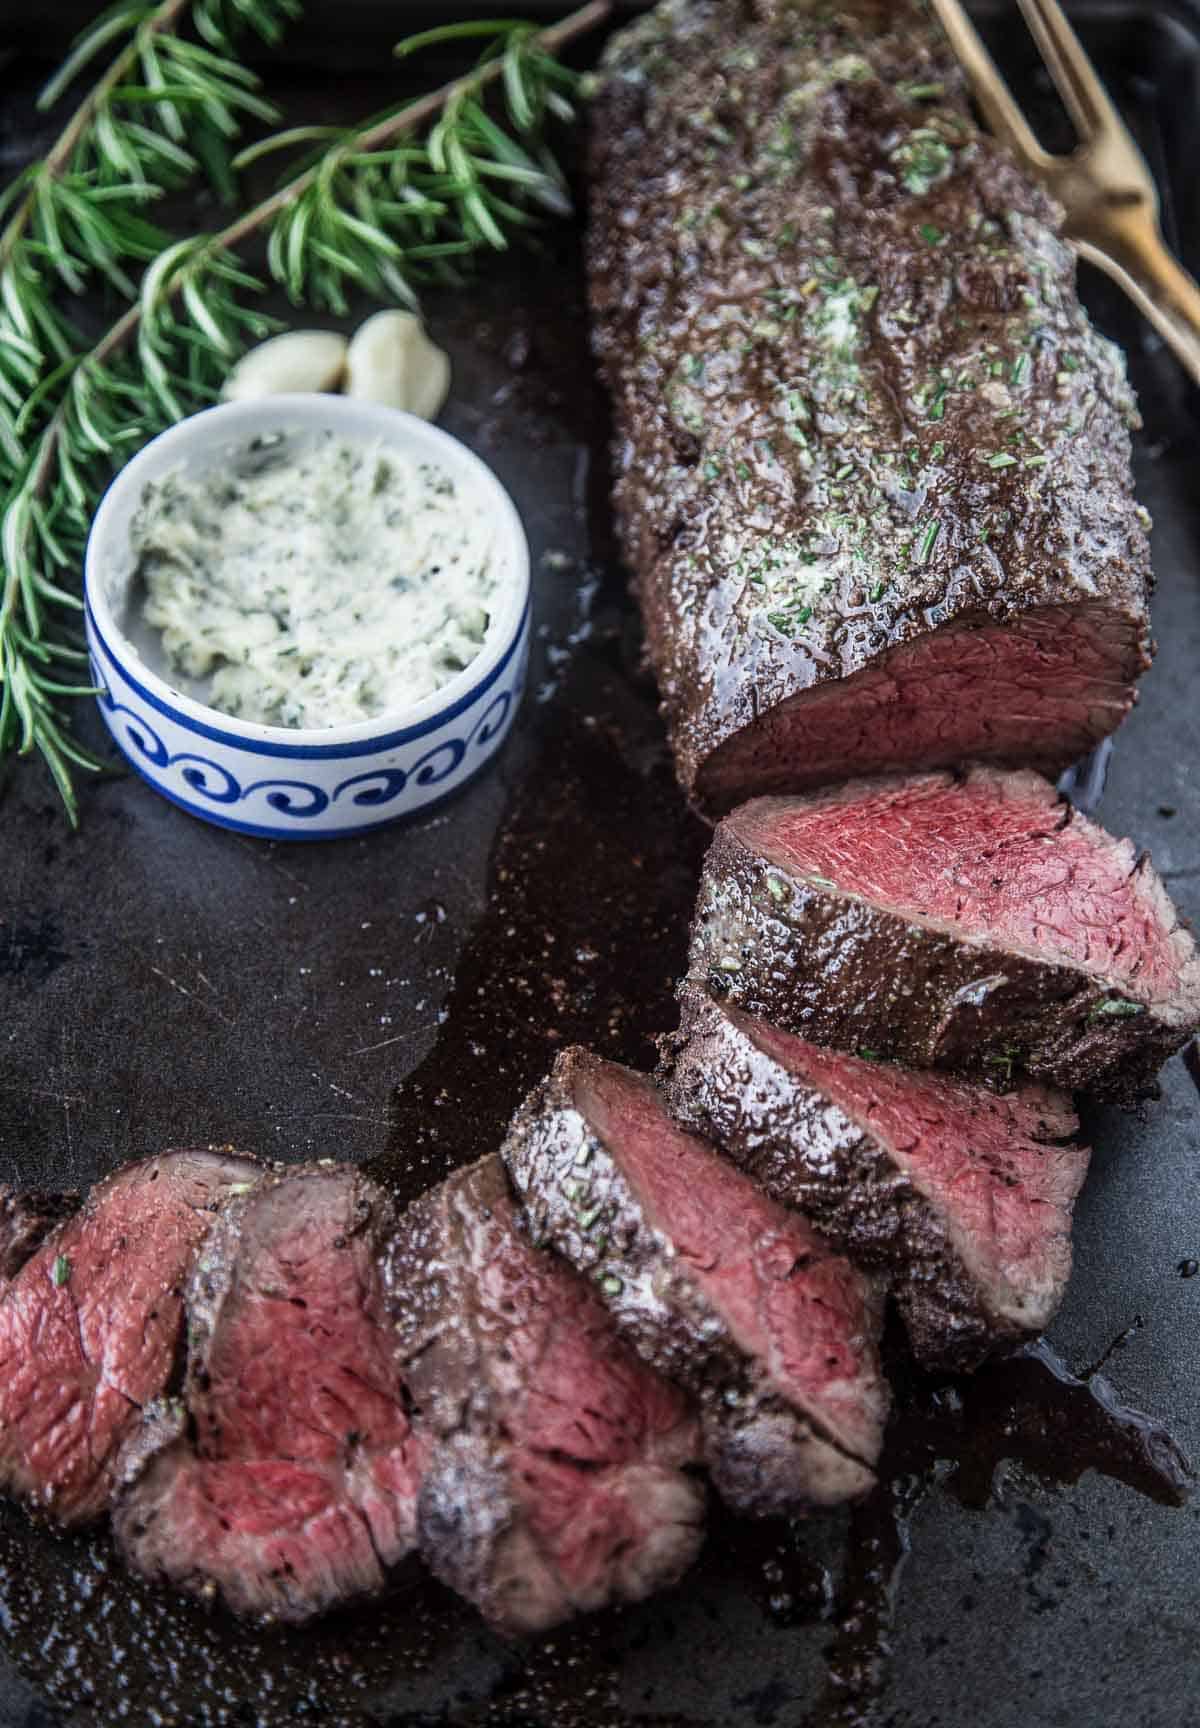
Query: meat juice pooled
{"x": 63, "y": 1592}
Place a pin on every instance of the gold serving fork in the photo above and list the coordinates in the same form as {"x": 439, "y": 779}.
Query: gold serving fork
{"x": 1104, "y": 185}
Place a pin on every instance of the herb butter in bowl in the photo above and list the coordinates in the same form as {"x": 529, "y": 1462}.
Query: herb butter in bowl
{"x": 308, "y": 615}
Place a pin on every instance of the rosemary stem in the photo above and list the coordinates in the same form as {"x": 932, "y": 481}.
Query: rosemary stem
{"x": 58, "y": 157}
{"x": 551, "y": 40}
{"x": 406, "y": 120}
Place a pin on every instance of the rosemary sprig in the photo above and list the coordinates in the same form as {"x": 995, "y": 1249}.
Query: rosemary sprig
{"x": 378, "y": 207}
{"x": 383, "y": 207}
{"x": 165, "y": 107}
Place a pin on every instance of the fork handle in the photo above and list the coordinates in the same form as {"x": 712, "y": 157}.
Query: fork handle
{"x": 1132, "y": 251}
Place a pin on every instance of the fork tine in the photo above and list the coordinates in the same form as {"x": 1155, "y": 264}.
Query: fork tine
{"x": 1084, "y": 96}
{"x": 991, "y": 92}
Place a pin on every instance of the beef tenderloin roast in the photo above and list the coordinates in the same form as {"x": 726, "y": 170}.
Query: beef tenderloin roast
{"x": 872, "y": 460}
{"x": 284, "y": 1481}
{"x": 90, "y": 1326}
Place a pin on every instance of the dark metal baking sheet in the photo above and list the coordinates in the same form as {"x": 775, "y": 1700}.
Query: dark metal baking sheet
{"x": 164, "y": 982}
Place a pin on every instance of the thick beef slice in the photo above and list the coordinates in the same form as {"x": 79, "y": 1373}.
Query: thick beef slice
{"x": 872, "y": 461}
{"x": 962, "y": 1197}
{"x": 285, "y": 1481}
{"x": 556, "y": 1481}
{"x": 716, "y": 1285}
{"x": 90, "y": 1326}
{"x": 27, "y": 1216}
{"x": 972, "y": 922}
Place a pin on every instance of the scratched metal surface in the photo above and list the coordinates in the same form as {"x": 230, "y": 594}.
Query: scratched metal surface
{"x": 161, "y": 982}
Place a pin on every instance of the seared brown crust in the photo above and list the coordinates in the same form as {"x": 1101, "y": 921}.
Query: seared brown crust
{"x": 804, "y": 1151}
{"x": 544, "y": 1422}
{"x": 857, "y": 400}
{"x": 839, "y": 970}
{"x": 765, "y": 1456}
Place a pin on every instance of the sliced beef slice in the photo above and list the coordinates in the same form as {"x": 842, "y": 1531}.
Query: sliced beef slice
{"x": 285, "y": 1481}
{"x": 90, "y": 1326}
{"x": 961, "y": 1196}
{"x": 973, "y": 922}
{"x": 27, "y": 1216}
{"x": 556, "y": 1482}
{"x": 872, "y": 461}
{"x": 716, "y": 1285}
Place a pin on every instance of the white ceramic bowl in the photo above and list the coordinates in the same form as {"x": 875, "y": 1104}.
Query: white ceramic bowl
{"x": 272, "y": 780}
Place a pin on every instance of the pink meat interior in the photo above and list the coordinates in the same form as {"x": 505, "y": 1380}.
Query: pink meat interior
{"x": 597, "y": 1437}
{"x": 982, "y": 1161}
{"x": 300, "y": 1489}
{"x": 89, "y": 1329}
{"x": 302, "y": 1382}
{"x": 991, "y": 857}
{"x": 266, "y": 1531}
{"x": 1044, "y": 688}
{"x": 786, "y": 1300}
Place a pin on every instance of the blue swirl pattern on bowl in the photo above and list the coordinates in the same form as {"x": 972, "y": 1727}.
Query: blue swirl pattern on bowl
{"x": 320, "y": 790}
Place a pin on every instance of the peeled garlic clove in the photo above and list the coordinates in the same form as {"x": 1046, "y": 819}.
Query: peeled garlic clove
{"x": 297, "y": 360}
{"x": 392, "y": 360}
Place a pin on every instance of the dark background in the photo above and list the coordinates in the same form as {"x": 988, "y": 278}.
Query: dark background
{"x": 161, "y": 981}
